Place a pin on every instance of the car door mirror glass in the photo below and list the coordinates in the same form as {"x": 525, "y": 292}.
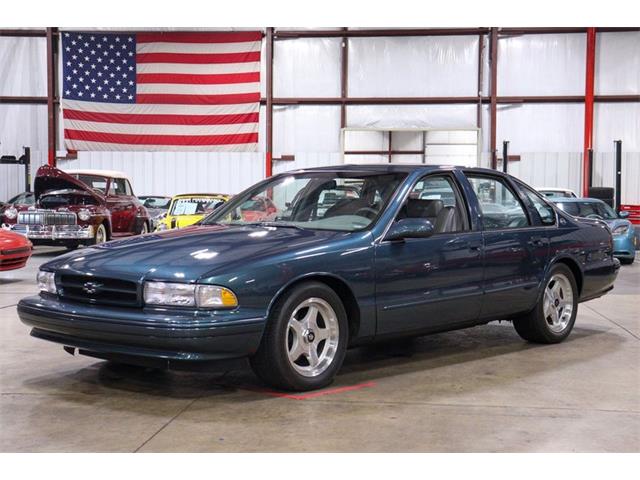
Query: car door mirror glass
{"x": 410, "y": 228}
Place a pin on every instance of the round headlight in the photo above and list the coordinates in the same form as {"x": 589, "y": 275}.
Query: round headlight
{"x": 620, "y": 230}
{"x": 11, "y": 213}
{"x": 84, "y": 215}
{"x": 161, "y": 226}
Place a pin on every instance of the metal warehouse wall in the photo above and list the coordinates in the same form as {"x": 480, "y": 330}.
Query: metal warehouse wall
{"x": 548, "y": 137}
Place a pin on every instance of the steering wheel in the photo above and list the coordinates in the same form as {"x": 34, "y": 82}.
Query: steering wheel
{"x": 368, "y": 211}
{"x": 594, "y": 216}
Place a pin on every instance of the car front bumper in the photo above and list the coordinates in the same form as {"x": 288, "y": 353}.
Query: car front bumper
{"x": 624, "y": 246}
{"x": 142, "y": 333}
{"x": 54, "y": 232}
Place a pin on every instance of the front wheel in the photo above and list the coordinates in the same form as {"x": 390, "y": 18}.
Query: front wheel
{"x": 552, "y": 319}
{"x": 100, "y": 236}
{"x": 305, "y": 339}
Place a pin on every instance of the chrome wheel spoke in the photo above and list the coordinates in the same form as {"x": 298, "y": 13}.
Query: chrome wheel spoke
{"x": 312, "y": 323}
{"x": 557, "y": 304}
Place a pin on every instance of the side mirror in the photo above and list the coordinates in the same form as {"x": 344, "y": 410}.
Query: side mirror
{"x": 623, "y": 214}
{"x": 410, "y": 228}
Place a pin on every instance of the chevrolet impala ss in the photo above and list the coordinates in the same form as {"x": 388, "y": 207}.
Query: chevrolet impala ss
{"x": 414, "y": 250}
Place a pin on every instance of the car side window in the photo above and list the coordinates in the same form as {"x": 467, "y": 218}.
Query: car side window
{"x": 118, "y": 187}
{"x": 546, "y": 212}
{"x": 435, "y": 198}
{"x": 500, "y": 207}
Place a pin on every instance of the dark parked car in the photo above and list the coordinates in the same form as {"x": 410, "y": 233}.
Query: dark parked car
{"x": 80, "y": 207}
{"x": 294, "y": 291}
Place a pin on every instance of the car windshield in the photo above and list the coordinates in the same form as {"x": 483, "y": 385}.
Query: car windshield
{"x": 342, "y": 201}
{"x": 94, "y": 181}
{"x": 156, "y": 202}
{"x": 194, "y": 205}
{"x": 556, "y": 193}
{"x": 588, "y": 209}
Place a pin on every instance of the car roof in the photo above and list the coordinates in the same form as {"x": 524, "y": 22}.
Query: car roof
{"x": 101, "y": 173}
{"x": 392, "y": 167}
{"x": 188, "y": 195}
{"x": 574, "y": 200}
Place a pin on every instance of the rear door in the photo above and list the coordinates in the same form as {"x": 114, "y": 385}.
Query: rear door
{"x": 516, "y": 247}
{"x": 123, "y": 207}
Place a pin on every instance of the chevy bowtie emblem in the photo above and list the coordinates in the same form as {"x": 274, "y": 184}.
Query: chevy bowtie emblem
{"x": 91, "y": 287}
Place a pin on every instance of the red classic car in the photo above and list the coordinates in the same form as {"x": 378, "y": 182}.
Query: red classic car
{"x": 15, "y": 250}
{"x": 258, "y": 209}
{"x": 79, "y": 207}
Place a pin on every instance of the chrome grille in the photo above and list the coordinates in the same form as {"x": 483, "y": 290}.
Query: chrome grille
{"x": 98, "y": 290}
{"x": 47, "y": 218}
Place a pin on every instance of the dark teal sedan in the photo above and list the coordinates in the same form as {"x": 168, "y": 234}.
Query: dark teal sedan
{"x": 411, "y": 250}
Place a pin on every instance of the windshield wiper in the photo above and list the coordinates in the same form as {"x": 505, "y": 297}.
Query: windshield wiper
{"x": 274, "y": 224}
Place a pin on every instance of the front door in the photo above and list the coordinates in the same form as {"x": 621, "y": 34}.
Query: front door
{"x": 429, "y": 283}
{"x": 516, "y": 248}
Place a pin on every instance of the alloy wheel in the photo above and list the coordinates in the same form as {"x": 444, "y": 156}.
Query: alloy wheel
{"x": 558, "y": 302}
{"x": 312, "y": 337}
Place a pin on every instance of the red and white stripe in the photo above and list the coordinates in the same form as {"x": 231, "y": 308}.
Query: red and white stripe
{"x": 195, "y": 91}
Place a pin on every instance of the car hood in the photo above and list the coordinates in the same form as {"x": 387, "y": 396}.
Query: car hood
{"x": 191, "y": 253}
{"x": 50, "y": 178}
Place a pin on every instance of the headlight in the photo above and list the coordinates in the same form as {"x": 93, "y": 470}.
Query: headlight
{"x": 186, "y": 295}
{"x": 161, "y": 226}
{"x": 210, "y": 296}
{"x": 46, "y": 282}
{"x": 84, "y": 215}
{"x": 11, "y": 213}
{"x": 620, "y": 230}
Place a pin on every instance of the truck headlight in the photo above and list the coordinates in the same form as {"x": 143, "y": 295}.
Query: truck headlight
{"x": 187, "y": 295}
{"x": 84, "y": 215}
{"x": 46, "y": 282}
{"x": 620, "y": 230}
{"x": 11, "y": 213}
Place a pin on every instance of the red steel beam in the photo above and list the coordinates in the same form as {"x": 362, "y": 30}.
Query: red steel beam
{"x": 588, "y": 107}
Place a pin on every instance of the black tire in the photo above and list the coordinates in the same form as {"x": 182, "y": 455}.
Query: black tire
{"x": 271, "y": 362}
{"x": 144, "y": 228}
{"x": 627, "y": 261}
{"x": 536, "y": 326}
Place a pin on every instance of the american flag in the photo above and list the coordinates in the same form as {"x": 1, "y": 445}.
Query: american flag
{"x": 176, "y": 91}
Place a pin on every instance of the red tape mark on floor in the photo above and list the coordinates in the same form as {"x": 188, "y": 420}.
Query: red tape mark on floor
{"x": 320, "y": 393}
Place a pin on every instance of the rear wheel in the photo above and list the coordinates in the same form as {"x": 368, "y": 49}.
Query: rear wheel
{"x": 305, "y": 339}
{"x": 552, "y": 319}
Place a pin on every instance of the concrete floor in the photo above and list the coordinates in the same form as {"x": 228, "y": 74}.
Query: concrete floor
{"x": 481, "y": 389}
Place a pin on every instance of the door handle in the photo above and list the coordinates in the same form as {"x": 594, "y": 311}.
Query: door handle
{"x": 536, "y": 241}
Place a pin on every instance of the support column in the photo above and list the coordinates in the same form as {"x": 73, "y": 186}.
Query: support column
{"x": 269, "y": 104}
{"x": 588, "y": 108}
{"x": 494, "y": 95}
{"x": 51, "y": 93}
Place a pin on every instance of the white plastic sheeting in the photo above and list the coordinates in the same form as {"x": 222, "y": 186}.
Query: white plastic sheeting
{"x": 307, "y": 67}
{"x": 604, "y": 171}
{"x": 412, "y": 116}
{"x": 170, "y": 173}
{"x": 617, "y": 121}
{"x": 21, "y": 126}
{"x": 618, "y": 63}
{"x": 413, "y": 66}
{"x": 23, "y": 70}
{"x": 547, "y": 127}
{"x": 306, "y": 128}
{"x": 550, "y": 64}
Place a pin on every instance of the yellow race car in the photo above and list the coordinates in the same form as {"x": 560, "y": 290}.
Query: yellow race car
{"x": 189, "y": 208}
